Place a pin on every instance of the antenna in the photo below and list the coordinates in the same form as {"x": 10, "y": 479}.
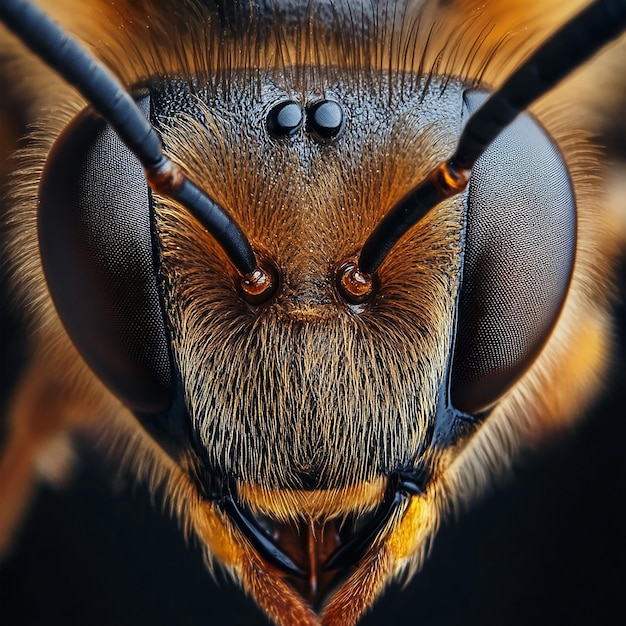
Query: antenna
{"x": 108, "y": 97}
{"x": 577, "y": 41}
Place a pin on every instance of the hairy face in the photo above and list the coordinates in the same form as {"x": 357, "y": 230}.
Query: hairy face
{"x": 349, "y": 390}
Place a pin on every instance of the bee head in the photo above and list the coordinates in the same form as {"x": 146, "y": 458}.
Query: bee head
{"x": 316, "y": 417}
{"x": 357, "y": 393}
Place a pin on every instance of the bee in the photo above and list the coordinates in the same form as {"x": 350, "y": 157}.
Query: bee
{"x": 305, "y": 333}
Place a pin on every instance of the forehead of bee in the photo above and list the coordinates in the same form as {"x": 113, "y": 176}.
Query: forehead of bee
{"x": 308, "y": 202}
{"x": 349, "y": 393}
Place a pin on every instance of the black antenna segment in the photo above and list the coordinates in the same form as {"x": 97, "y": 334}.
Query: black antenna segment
{"x": 109, "y": 98}
{"x": 577, "y": 41}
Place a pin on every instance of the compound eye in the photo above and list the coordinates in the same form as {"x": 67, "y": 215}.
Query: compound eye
{"x": 96, "y": 247}
{"x": 519, "y": 254}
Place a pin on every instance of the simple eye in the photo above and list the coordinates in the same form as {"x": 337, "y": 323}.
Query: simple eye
{"x": 518, "y": 258}
{"x": 325, "y": 120}
{"x": 284, "y": 119}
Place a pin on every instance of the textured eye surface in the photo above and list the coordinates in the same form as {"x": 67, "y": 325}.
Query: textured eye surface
{"x": 96, "y": 247}
{"x": 519, "y": 254}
